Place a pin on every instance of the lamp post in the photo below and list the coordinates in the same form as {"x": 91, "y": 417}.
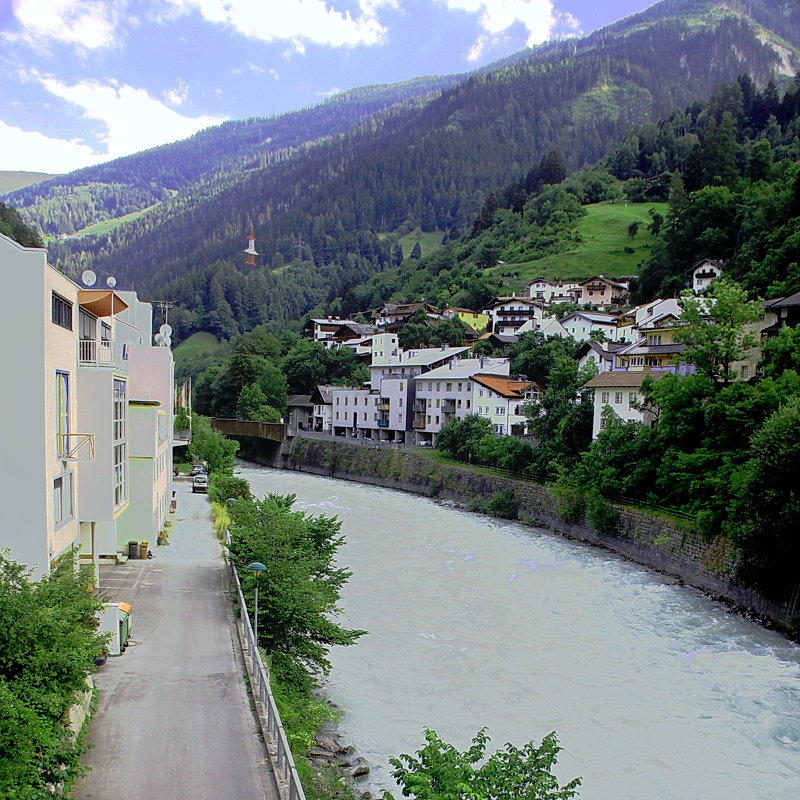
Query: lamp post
{"x": 258, "y": 568}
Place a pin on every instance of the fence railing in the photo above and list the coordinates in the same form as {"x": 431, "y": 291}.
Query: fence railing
{"x": 274, "y": 735}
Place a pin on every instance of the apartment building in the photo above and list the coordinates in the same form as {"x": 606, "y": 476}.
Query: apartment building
{"x": 70, "y": 373}
{"x": 447, "y": 392}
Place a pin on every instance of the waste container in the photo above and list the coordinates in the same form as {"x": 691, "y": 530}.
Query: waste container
{"x": 125, "y": 611}
{"x": 143, "y": 548}
{"x": 133, "y": 549}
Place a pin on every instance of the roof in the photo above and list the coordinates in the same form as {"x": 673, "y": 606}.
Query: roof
{"x": 641, "y": 348}
{"x": 358, "y": 328}
{"x": 622, "y": 379}
{"x": 420, "y": 358}
{"x": 507, "y": 387}
{"x": 502, "y": 338}
{"x": 464, "y": 368}
{"x": 101, "y": 302}
{"x": 596, "y": 317}
{"x": 521, "y": 299}
{"x": 323, "y": 394}
{"x": 299, "y": 400}
{"x": 603, "y": 278}
{"x": 781, "y": 302}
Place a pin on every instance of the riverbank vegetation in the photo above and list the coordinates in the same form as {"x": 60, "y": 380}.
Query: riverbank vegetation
{"x": 49, "y": 641}
{"x": 298, "y": 595}
{"x": 439, "y": 771}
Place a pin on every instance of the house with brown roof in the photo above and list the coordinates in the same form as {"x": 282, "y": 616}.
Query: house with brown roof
{"x": 622, "y": 393}
{"x": 501, "y": 400}
{"x": 603, "y": 293}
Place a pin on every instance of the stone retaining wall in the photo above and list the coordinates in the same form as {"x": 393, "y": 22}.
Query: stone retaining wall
{"x": 663, "y": 543}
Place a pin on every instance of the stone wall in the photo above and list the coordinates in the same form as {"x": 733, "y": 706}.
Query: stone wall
{"x": 666, "y": 544}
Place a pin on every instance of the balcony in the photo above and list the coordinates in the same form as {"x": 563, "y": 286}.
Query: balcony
{"x": 75, "y": 446}
{"x": 448, "y": 406}
{"x": 383, "y": 404}
{"x": 182, "y": 436}
{"x": 420, "y": 406}
{"x": 419, "y": 421}
{"x": 101, "y": 353}
{"x": 383, "y": 423}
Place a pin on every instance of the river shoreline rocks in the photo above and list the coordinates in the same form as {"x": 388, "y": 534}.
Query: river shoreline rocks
{"x": 331, "y": 754}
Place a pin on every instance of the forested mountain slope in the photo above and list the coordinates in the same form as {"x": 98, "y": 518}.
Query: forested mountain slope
{"x": 430, "y": 161}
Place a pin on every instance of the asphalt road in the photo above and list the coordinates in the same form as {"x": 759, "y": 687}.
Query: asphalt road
{"x": 174, "y": 719}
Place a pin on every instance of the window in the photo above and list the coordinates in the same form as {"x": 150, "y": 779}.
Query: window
{"x": 62, "y": 312}
{"x": 62, "y": 411}
{"x": 448, "y": 387}
{"x": 480, "y": 392}
{"x": 401, "y": 383}
{"x": 429, "y": 419}
{"x": 346, "y": 399}
{"x": 604, "y": 398}
{"x": 438, "y": 402}
{"x": 437, "y": 419}
{"x": 460, "y": 387}
{"x": 438, "y": 387}
{"x": 654, "y": 339}
{"x": 337, "y": 400}
{"x": 62, "y": 499}
{"x": 120, "y": 443}
{"x": 400, "y": 402}
{"x": 469, "y": 402}
{"x": 430, "y": 386}
{"x": 745, "y": 371}
{"x": 635, "y": 361}
{"x": 87, "y": 325}
{"x": 631, "y": 399}
{"x": 365, "y": 416}
{"x": 498, "y": 410}
{"x": 617, "y": 398}
{"x": 337, "y": 415}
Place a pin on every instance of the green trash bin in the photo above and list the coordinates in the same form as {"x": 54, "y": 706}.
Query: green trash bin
{"x": 125, "y": 611}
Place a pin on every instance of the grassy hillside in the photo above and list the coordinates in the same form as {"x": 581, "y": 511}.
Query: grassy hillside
{"x": 604, "y": 237}
{"x": 12, "y": 180}
{"x": 428, "y": 242}
{"x": 99, "y": 228}
{"x": 197, "y": 344}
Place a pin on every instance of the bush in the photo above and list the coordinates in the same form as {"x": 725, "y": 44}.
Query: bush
{"x": 46, "y": 650}
{"x": 503, "y": 504}
{"x": 222, "y": 487}
{"x": 602, "y": 516}
{"x": 571, "y": 502}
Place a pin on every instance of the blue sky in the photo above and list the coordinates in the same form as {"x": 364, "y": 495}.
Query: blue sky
{"x": 84, "y": 81}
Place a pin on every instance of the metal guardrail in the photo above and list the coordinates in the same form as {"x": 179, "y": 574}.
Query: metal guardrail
{"x": 274, "y": 735}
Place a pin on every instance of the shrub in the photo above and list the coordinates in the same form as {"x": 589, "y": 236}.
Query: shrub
{"x": 602, "y": 516}
{"x": 503, "y": 504}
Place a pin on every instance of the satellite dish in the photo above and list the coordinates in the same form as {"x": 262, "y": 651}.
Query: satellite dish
{"x": 111, "y": 282}
{"x": 159, "y": 339}
{"x": 166, "y": 330}
{"x": 88, "y": 277}
{"x": 167, "y": 341}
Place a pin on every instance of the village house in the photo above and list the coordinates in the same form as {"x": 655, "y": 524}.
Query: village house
{"x": 551, "y": 292}
{"x": 322, "y": 402}
{"x": 581, "y": 324}
{"x": 501, "y": 400}
{"x": 322, "y": 329}
{"x": 475, "y": 319}
{"x": 507, "y": 314}
{"x": 603, "y": 293}
{"x": 704, "y": 272}
{"x": 622, "y": 393}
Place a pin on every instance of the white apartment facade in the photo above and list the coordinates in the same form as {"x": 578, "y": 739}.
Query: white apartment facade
{"x": 66, "y": 402}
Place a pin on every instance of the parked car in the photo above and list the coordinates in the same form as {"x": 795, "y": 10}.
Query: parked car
{"x": 200, "y": 483}
{"x": 197, "y": 468}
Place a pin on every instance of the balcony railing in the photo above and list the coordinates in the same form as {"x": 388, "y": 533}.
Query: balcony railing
{"x": 383, "y": 423}
{"x": 449, "y": 406}
{"x": 383, "y": 404}
{"x": 420, "y": 406}
{"x": 101, "y": 353}
{"x": 419, "y": 421}
{"x": 75, "y": 446}
{"x": 182, "y": 436}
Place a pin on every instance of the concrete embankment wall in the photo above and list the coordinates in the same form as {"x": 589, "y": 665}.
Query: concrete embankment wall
{"x": 662, "y": 543}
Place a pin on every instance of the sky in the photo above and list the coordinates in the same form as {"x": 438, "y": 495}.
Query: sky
{"x": 86, "y": 81}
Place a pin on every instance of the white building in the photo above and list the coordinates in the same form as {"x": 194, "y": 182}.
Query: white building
{"x": 66, "y": 400}
{"x": 704, "y": 273}
{"x": 447, "y": 392}
{"x": 508, "y": 314}
{"x": 580, "y": 325}
{"x": 550, "y": 292}
{"x": 621, "y": 392}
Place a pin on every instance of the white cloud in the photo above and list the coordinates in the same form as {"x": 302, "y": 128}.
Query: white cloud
{"x": 329, "y": 93}
{"x": 86, "y": 23}
{"x": 538, "y": 17}
{"x": 34, "y": 152}
{"x": 311, "y": 20}
{"x": 178, "y": 95}
{"x": 129, "y": 120}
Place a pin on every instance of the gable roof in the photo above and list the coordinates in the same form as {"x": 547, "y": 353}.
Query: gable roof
{"x": 782, "y": 302}
{"x": 512, "y": 388}
{"x": 621, "y": 379}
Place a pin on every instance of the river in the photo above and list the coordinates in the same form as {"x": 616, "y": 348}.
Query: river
{"x": 655, "y": 691}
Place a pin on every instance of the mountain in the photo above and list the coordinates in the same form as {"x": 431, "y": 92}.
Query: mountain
{"x": 10, "y": 180}
{"x": 326, "y": 188}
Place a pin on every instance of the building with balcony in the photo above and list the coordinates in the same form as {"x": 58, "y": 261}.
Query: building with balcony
{"x": 501, "y": 400}
{"x": 447, "y": 392}
{"x": 68, "y": 398}
{"x": 704, "y": 273}
{"x": 603, "y": 293}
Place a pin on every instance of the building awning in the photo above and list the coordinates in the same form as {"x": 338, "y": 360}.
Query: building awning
{"x": 101, "y": 302}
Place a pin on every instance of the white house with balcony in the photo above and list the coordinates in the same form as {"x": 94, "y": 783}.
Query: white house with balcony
{"x": 447, "y": 392}
{"x": 66, "y": 401}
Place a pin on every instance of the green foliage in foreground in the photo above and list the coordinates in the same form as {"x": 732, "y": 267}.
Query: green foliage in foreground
{"x": 441, "y": 772}
{"x": 46, "y": 650}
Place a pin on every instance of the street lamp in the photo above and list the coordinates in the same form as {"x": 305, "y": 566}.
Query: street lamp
{"x": 258, "y": 568}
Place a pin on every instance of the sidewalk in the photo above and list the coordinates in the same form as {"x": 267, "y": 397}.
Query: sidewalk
{"x": 174, "y": 718}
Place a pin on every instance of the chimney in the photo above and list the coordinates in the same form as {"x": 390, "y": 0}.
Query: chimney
{"x": 483, "y": 361}
{"x": 450, "y": 365}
